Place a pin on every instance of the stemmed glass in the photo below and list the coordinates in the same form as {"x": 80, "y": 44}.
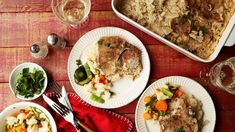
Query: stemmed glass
{"x": 222, "y": 75}
{"x": 72, "y": 12}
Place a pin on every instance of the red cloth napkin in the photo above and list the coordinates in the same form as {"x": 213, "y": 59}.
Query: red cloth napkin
{"x": 99, "y": 119}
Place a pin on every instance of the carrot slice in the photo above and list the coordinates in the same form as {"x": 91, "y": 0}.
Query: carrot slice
{"x": 9, "y": 130}
{"x": 147, "y": 116}
{"x": 147, "y": 99}
{"x": 161, "y": 105}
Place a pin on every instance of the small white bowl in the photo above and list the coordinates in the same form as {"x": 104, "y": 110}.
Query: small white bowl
{"x": 15, "y": 108}
{"x": 18, "y": 69}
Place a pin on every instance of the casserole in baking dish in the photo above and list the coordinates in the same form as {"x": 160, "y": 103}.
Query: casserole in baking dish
{"x": 196, "y": 28}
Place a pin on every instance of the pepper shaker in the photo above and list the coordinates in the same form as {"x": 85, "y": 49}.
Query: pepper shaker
{"x": 56, "y": 41}
{"x": 39, "y": 51}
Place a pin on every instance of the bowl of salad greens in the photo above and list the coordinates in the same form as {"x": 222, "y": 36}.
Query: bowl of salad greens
{"x": 28, "y": 81}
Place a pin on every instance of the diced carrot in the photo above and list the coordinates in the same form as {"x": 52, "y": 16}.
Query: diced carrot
{"x": 9, "y": 130}
{"x": 179, "y": 93}
{"x": 102, "y": 79}
{"x": 20, "y": 129}
{"x": 147, "y": 99}
{"x": 161, "y": 105}
{"x": 147, "y": 116}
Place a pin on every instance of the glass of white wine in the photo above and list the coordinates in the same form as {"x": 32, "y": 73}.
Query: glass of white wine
{"x": 72, "y": 12}
{"x": 222, "y": 75}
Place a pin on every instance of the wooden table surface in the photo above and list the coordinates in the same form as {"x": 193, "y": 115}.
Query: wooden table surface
{"x": 24, "y": 22}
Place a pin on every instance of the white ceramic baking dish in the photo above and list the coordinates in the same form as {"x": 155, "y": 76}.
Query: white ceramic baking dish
{"x": 227, "y": 38}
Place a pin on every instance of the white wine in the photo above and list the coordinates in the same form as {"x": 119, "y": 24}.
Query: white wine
{"x": 222, "y": 75}
{"x": 227, "y": 75}
{"x": 73, "y": 12}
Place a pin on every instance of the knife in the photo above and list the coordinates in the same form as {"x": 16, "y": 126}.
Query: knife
{"x": 64, "y": 98}
{"x": 51, "y": 103}
{"x": 65, "y": 101}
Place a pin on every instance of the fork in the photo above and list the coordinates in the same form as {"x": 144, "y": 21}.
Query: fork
{"x": 65, "y": 101}
{"x": 57, "y": 89}
{"x": 67, "y": 114}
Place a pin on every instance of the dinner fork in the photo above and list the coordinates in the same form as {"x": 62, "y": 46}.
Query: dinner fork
{"x": 56, "y": 88}
{"x": 67, "y": 114}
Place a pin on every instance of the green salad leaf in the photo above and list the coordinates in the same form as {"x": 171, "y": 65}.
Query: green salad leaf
{"x": 30, "y": 83}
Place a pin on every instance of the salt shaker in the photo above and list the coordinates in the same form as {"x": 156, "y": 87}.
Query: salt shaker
{"x": 56, "y": 41}
{"x": 39, "y": 51}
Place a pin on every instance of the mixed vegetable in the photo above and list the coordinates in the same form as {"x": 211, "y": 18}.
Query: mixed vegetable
{"x": 29, "y": 83}
{"x": 94, "y": 81}
{"x": 157, "y": 104}
{"x": 82, "y": 75}
{"x": 29, "y": 119}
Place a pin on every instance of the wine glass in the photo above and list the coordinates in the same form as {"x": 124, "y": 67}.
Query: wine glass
{"x": 72, "y": 12}
{"x": 222, "y": 75}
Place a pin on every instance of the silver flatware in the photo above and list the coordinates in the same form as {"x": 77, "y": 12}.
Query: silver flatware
{"x": 61, "y": 94}
{"x": 64, "y": 112}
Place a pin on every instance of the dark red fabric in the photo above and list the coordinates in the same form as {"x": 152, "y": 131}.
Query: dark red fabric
{"x": 99, "y": 119}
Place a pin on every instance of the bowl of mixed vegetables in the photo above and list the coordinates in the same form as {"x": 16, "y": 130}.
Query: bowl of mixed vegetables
{"x": 28, "y": 81}
{"x": 26, "y": 117}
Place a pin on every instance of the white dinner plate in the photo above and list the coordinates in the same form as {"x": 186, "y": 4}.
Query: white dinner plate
{"x": 189, "y": 86}
{"x": 125, "y": 90}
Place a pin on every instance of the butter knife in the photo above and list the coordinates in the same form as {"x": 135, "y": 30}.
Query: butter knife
{"x": 58, "y": 110}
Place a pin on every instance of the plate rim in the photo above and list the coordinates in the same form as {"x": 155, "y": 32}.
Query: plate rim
{"x": 174, "y": 77}
{"x": 147, "y": 63}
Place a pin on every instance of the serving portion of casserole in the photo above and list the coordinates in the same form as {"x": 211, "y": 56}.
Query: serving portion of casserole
{"x": 195, "y": 25}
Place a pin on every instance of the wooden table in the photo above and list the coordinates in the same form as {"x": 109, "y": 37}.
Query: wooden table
{"x": 24, "y": 22}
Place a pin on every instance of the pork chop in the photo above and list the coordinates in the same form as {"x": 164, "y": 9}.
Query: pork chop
{"x": 180, "y": 118}
{"x": 117, "y": 58}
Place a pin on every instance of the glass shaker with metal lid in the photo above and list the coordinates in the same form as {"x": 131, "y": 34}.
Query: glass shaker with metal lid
{"x": 56, "y": 41}
{"x": 39, "y": 51}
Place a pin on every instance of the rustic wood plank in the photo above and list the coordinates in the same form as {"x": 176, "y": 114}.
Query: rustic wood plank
{"x": 24, "y": 29}
{"x": 24, "y": 22}
{"x": 160, "y": 64}
{"x": 222, "y": 100}
{"x": 225, "y": 121}
{"x": 164, "y": 62}
{"x": 24, "y": 5}
{"x": 44, "y": 5}
{"x": 55, "y": 63}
